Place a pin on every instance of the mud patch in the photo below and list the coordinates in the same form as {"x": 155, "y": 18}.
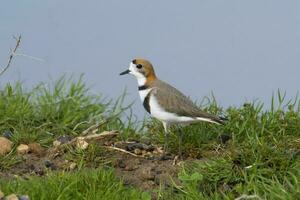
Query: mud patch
{"x": 145, "y": 170}
{"x": 147, "y": 173}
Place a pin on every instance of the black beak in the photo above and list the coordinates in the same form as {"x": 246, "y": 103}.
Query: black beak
{"x": 125, "y": 72}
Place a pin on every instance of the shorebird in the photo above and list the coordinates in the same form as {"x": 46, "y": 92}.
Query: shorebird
{"x": 164, "y": 102}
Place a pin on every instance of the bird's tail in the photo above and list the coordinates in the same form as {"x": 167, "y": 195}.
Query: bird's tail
{"x": 216, "y": 120}
{"x": 222, "y": 120}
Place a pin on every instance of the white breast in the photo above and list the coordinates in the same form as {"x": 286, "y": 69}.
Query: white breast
{"x": 144, "y": 93}
{"x": 159, "y": 112}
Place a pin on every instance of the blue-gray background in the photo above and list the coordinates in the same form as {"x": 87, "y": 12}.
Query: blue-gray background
{"x": 239, "y": 50}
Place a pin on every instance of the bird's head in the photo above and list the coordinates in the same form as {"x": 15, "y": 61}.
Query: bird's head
{"x": 142, "y": 69}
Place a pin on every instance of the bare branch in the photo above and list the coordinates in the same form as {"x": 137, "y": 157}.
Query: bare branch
{"x": 244, "y": 196}
{"x": 102, "y": 135}
{"x": 30, "y": 57}
{"x": 122, "y": 150}
{"x": 12, "y": 54}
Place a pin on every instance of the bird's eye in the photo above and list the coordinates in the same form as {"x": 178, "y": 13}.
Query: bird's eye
{"x": 139, "y": 66}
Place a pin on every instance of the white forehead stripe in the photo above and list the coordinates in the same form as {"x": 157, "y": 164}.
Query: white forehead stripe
{"x": 139, "y": 76}
{"x": 132, "y": 67}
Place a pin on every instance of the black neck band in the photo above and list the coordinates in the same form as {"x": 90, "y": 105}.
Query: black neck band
{"x": 143, "y": 87}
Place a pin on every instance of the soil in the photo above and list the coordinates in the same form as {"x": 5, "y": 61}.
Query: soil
{"x": 140, "y": 165}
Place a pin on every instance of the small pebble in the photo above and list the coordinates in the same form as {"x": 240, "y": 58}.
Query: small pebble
{"x": 137, "y": 151}
{"x": 11, "y": 197}
{"x": 7, "y": 134}
{"x": 56, "y": 143}
{"x": 22, "y": 149}
{"x": 36, "y": 148}
{"x": 159, "y": 150}
{"x": 23, "y": 197}
{"x": 81, "y": 143}
{"x": 1, "y": 194}
{"x": 5, "y": 145}
{"x": 72, "y": 166}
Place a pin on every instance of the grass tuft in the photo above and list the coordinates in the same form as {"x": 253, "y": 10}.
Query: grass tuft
{"x": 47, "y": 112}
{"x": 90, "y": 184}
{"x": 261, "y": 159}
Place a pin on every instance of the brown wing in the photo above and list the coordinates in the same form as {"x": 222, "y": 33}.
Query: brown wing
{"x": 174, "y": 101}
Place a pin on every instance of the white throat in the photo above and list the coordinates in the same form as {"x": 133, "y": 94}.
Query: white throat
{"x": 141, "y": 79}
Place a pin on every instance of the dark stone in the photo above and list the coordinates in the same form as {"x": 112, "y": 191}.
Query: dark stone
{"x": 7, "y": 134}
{"x": 166, "y": 157}
{"x": 141, "y": 146}
{"x": 64, "y": 139}
{"x": 23, "y": 197}
{"x": 224, "y": 138}
{"x": 49, "y": 165}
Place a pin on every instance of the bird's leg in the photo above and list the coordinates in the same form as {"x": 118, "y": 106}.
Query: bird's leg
{"x": 166, "y": 127}
{"x": 166, "y": 142}
{"x": 180, "y": 135}
{"x": 166, "y": 132}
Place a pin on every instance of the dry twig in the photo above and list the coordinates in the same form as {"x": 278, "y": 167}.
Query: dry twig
{"x": 102, "y": 135}
{"x": 91, "y": 128}
{"x": 244, "y": 196}
{"x": 94, "y": 137}
{"x": 94, "y": 128}
{"x": 122, "y": 150}
{"x": 13, "y": 53}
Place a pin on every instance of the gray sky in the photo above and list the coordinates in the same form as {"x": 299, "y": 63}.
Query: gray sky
{"x": 240, "y": 50}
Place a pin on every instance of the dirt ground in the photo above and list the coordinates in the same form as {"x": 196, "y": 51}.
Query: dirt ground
{"x": 137, "y": 164}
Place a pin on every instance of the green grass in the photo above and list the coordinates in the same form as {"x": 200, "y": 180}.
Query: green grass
{"x": 89, "y": 185}
{"x": 64, "y": 107}
{"x": 261, "y": 159}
